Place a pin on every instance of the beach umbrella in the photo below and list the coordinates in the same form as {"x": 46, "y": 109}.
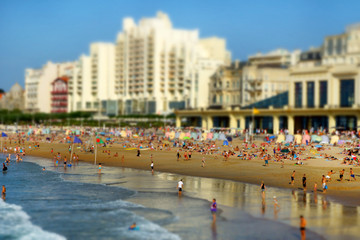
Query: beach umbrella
{"x": 318, "y": 146}
{"x": 108, "y": 139}
{"x": 187, "y": 138}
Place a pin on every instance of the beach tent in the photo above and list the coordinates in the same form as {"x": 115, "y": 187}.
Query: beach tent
{"x": 172, "y": 135}
{"x": 314, "y": 151}
{"x": 188, "y": 134}
{"x": 222, "y": 136}
{"x": 194, "y": 135}
{"x": 123, "y": 134}
{"x": 281, "y": 138}
{"x": 325, "y": 139}
{"x": 298, "y": 138}
{"x": 209, "y": 136}
{"x": 334, "y": 139}
{"x": 182, "y": 135}
{"x": 215, "y": 136}
{"x": 315, "y": 138}
{"x": 177, "y": 135}
{"x": 289, "y": 138}
{"x": 229, "y": 139}
{"x": 305, "y": 138}
{"x": 225, "y": 143}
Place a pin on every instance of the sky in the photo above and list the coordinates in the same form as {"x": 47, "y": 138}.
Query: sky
{"x": 34, "y": 32}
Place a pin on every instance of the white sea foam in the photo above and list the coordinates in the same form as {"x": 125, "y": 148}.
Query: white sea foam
{"x": 16, "y": 224}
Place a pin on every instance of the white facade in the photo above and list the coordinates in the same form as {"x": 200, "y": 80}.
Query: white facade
{"x": 38, "y": 85}
{"x": 93, "y": 79}
{"x": 158, "y": 68}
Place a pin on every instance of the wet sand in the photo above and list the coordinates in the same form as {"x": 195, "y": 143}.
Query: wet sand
{"x": 248, "y": 171}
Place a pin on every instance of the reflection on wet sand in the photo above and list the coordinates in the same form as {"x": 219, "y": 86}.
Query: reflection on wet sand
{"x": 331, "y": 219}
{"x": 326, "y": 217}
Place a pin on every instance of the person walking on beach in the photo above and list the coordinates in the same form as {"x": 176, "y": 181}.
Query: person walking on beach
{"x": 276, "y": 204}
{"x": 203, "y": 162}
{"x": 292, "y": 178}
{"x": 341, "y": 174}
{"x": 178, "y": 156}
{"x": 262, "y": 188}
{"x": 180, "y": 187}
{"x": 304, "y": 182}
{"x": 152, "y": 167}
{"x": 352, "y": 175}
{"x": 324, "y": 186}
{"x": 213, "y": 209}
{"x": 138, "y": 153}
{"x": 302, "y": 227}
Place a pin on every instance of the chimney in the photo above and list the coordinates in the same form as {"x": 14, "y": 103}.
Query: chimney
{"x": 237, "y": 63}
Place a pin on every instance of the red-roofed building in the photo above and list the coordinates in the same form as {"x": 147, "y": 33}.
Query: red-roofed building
{"x": 59, "y": 95}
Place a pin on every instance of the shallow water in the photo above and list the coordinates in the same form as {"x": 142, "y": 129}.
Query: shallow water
{"x": 79, "y": 203}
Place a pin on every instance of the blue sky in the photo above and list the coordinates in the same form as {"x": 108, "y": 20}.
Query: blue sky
{"x": 33, "y": 32}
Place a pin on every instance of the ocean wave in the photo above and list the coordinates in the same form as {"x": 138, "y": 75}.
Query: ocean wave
{"x": 16, "y": 224}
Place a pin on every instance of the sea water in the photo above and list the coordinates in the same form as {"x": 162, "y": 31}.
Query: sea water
{"x": 79, "y": 203}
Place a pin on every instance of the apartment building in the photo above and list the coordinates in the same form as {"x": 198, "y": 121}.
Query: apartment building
{"x": 266, "y": 75}
{"x": 92, "y": 87}
{"x": 59, "y": 95}
{"x": 159, "y": 68}
{"x": 226, "y": 86}
{"x": 38, "y": 85}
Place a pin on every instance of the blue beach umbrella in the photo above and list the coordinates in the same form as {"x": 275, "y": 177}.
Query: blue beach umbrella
{"x": 318, "y": 146}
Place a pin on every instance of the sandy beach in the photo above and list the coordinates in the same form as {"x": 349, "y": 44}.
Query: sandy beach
{"x": 248, "y": 171}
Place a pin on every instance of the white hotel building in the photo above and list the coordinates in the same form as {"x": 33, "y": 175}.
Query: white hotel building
{"x": 152, "y": 68}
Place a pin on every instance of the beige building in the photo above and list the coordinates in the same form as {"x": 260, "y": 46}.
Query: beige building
{"x": 263, "y": 82}
{"x": 14, "y": 99}
{"x": 323, "y": 92}
{"x": 226, "y": 86}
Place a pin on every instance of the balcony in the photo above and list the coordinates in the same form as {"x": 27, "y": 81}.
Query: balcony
{"x": 58, "y": 92}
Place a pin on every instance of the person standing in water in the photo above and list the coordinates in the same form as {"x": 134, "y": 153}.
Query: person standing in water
{"x": 99, "y": 167}
{"x": 4, "y": 167}
{"x": 262, "y": 188}
{"x": 180, "y": 187}
{"x": 152, "y": 167}
{"x": 3, "y": 192}
{"x": 213, "y": 209}
{"x": 304, "y": 182}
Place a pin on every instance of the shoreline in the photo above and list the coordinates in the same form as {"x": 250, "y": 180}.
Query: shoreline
{"x": 245, "y": 171}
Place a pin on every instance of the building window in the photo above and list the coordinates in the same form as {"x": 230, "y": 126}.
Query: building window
{"x": 323, "y": 93}
{"x": 330, "y": 47}
{"x": 347, "y": 92}
{"x": 298, "y": 95}
{"x": 310, "y": 95}
{"x": 88, "y": 105}
{"x": 338, "y": 46}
